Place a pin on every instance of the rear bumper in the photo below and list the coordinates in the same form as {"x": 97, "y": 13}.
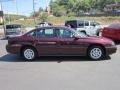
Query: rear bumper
{"x": 14, "y": 49}
{"x": 111, "y": 50}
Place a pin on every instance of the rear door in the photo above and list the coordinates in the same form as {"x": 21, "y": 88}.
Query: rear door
{"x": 88, "y": 28}
{"x": 47, "y": 41}
{"x": 92, "y": 28}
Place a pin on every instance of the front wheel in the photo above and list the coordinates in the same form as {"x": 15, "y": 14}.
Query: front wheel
{"x": 96, "y": 52}
{"x": 29, "y": 53}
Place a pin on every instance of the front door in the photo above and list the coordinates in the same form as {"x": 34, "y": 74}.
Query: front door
{"x": 68, "y": 45}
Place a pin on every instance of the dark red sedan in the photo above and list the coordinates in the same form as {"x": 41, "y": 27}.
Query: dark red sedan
{"x": 59, "y": 41}
{"x": 112, "y": 31}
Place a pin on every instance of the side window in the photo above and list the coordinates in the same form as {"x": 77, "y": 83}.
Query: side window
{"x": 86, "y": 23}
{"x": 92, "y": 24}
{"x": 65, "y": 33}
{"x": 33, "y": 33}
{"x": 40, "y": 33}
{"x": 46, "y": 33}
{"x": 81, "y": 24}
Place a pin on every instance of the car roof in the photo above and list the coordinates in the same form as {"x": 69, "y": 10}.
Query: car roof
{"x": 44, "y": 27}
{"x": 116, "y": 23}
{"x": 43, "y": 22}
{"x": 79, "y": 20}
{"x": 64, "y": 27}
{"x": 53, "y": 27}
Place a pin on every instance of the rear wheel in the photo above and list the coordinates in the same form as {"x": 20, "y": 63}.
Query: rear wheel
{"x": 96, "y": 52}
{"x": 29, "y": 53}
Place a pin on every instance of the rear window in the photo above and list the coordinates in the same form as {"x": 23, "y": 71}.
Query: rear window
{"x": 12, "y": 26}
{"x": 114, "y": 26}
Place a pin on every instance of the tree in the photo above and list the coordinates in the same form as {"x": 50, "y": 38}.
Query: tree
{"x": 43, "y": 17}
{"x": 66, "y": 7}
{"x": 58, "y": 10}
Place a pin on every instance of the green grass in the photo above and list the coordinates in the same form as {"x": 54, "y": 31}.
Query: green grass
{"x": 101, "y": 20}
{"x": 61, "y": 20}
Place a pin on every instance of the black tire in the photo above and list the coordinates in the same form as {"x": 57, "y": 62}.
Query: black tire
{"x": 29, "y": 53}
{"x": 98, "y": 34}
{"x": 96, "y": 52}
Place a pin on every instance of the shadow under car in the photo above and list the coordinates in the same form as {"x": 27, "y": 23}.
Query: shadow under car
{"x": 16, "y": 58}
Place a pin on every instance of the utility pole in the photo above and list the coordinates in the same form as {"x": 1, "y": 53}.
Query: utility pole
{"x": 34, "y": 11}
{"x": 16, "y": 8}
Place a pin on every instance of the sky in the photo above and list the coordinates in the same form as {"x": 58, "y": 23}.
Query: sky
{"x": 25, "y": 7}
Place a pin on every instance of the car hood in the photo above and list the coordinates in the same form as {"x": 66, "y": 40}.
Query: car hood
{"x": 98, "y": 39}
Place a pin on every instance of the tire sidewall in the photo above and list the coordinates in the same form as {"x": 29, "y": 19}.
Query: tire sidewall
{"x": 35, "y": 53}
{"x": 91, "y": 48}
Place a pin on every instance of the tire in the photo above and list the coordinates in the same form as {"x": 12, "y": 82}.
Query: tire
{"x": 29, "y": 53}
{"x": 96, "y": 52}
{"x": 98, "y": 34}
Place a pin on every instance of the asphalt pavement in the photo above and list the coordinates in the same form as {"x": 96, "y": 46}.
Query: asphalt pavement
{"x": 58, "y": 73}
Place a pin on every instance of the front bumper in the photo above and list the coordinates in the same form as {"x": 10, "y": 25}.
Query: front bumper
{"x": 111, "y": 50}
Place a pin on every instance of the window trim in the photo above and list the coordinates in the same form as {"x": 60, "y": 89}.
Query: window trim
{"x": 58, "y": 35}
{"x": 28, "y": 34}
{"x": 54, "y": 36}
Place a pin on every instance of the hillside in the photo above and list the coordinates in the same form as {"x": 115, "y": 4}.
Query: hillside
{"x": 12, "y": 17}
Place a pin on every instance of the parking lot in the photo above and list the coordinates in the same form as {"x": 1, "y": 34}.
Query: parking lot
{"x": 58, "y": 73}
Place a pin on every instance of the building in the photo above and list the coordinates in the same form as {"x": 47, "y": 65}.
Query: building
{"x": 112, "y": 7}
